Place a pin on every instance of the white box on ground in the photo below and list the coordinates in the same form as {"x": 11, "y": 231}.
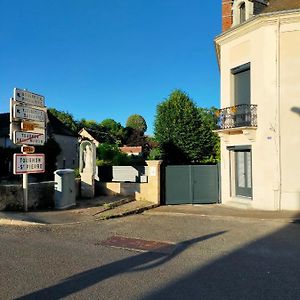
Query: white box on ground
{"x": 29, "y": 163}
{"x": 64, "y": 188}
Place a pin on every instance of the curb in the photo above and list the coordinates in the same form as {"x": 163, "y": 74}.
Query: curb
{"x": 127, "y": 213}
{"x": 12, "y": 222}
{"x": 283, "y": 220}
{"x": 112, "y": 205}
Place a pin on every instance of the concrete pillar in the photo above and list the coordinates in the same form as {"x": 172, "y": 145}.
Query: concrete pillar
{"x": 153, "y": 186}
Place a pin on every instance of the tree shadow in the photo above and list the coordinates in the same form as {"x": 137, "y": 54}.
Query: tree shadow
{"x": 268, "y": 268}
{"x": 91, "y": 277}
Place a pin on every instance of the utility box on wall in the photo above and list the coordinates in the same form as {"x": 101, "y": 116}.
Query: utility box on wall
{"x": 64, "y": 188}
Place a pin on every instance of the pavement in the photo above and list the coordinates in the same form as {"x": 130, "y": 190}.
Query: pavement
{"x": 107, "y": 207}
{"x": 86, "y": 210}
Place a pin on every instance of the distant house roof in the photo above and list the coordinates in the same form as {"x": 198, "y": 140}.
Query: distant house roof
{"x": 55, "y": 126}
{"x": 136, "y": 150}
{"x": 281, "y": 5}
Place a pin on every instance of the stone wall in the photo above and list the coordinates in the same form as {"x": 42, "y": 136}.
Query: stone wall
{"x": 41, "y": 196}
{"x": 149, "y": 191}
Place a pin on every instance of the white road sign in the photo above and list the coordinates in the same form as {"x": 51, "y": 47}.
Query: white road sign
{"x": 28, "y": 97}
{"x": 28, "y": 138}
{"x": 29, "y": 163}
{"x": 28, "y": 113}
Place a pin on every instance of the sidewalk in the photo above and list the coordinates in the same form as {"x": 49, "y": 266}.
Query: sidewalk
{"x": 102, "y": 208}
{"x": 86, "y": 210}
{"x": 219, "y": 210}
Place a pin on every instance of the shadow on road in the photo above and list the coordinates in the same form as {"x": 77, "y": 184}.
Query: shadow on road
{"x": 136, "y": 263}
{"x": 268, "y": 268}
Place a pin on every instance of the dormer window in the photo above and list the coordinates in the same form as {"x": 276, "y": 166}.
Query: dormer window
{"x": 242, "y": 10}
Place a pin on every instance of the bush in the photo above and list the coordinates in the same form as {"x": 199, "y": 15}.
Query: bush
{"x": 155, "y": 154}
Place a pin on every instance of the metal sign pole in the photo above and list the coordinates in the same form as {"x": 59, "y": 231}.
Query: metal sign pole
{"x": 25, "y": 190}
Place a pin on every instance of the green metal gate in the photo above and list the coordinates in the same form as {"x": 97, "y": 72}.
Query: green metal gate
{"x": 192, "y": 184}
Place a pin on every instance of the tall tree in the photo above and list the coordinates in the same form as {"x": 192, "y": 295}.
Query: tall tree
{"x": 89, "y": 124}
{"x": 181, "y": 132}
{"x": 115, "y": 129}
{"x": 65, "y": 118}
{"x": 137, "y": 122}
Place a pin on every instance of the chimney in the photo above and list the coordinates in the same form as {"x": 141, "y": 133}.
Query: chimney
{"x": 226, "y": 14}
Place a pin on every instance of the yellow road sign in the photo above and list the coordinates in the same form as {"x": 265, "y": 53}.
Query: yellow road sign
{"x": 28, "y": 149}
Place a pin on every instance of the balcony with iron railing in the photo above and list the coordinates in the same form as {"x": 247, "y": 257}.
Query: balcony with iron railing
{"x": 237, "y": 117}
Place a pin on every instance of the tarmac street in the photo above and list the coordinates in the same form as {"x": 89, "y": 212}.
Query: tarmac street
{"x": 212, "y": 258}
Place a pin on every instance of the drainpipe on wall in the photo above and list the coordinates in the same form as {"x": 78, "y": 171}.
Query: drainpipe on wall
{"x": 278, "y": 127}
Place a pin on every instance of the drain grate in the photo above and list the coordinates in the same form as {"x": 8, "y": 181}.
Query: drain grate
{"x": 139, "y": 244}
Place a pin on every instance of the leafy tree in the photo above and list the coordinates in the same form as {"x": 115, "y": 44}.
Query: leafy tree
{"x": 137, "y": 122}
{"x": 134, "y": 137}
{"x": 89, "y": 124}
{"x": 183, "y": 135}
{"x": 110, "y": 155}
{"x": 65, "y": 118}
{"x": 210, "y": 119}
{"x": 115, "y": 129}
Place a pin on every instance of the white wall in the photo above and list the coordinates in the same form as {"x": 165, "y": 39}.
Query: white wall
{"x": 275, "y": 149}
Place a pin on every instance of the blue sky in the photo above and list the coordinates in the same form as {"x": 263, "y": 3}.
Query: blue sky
{"x": 101, "y": 59}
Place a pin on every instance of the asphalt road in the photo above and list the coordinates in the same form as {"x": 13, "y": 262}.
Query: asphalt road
{"x": 214, "y": 259}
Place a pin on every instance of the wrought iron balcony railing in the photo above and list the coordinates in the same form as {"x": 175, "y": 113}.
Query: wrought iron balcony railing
{"x": 243, "y": 115}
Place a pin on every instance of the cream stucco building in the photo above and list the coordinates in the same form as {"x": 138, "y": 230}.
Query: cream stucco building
{"x": 259, "y": 122}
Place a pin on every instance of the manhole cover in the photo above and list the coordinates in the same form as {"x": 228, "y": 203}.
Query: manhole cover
{"x": 139, "y": 244}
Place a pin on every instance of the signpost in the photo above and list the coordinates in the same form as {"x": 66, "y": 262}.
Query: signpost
{"x": 28, "y": 128}
{"x": 29, "y": 163}
{"x": 29, "y": 98}
{"x": 28, "y": 138}
{"x": 27, "y": 149}
{"x": 32, "y": 126}
{"x": 27, "y": 113}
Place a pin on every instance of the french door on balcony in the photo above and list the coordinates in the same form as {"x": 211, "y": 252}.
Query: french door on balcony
{"x": 243, "y": 173}
{"x": 242, "y": 84}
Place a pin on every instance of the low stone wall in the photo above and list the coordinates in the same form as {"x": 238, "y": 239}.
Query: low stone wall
{"x": 149, "y": 191}
{"x": 118, "y": 188}
{"x": 41, "y": 196}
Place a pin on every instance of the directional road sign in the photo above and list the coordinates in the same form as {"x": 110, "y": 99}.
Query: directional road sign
{"x": 28, "y": 97}
{"x": 29, "y": 163}
{"x": 28, "y": 138}
{"x": 28, "y": 113}
{"x": 36, "y": 127}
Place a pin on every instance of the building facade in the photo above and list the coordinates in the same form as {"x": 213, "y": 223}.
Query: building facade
{"x": 259, "y": 120}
